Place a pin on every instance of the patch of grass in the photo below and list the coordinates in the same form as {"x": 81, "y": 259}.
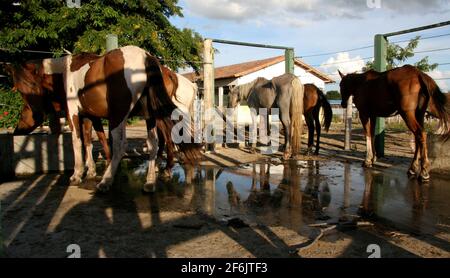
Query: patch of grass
{"x": 397, "y": 126}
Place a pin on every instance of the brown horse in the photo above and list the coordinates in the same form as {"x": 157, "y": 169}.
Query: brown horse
{"x": 406, "y": 91}
{"x": 313, "y": 100}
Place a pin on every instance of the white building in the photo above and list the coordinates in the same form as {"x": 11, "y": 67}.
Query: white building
{"x": 238, "y": 74}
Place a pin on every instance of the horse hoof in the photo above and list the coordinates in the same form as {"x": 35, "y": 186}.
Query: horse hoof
{"x": 75, "y": 180}
{"x": 316, "y": 153}
{"x": 149, "y": 188}
{"x": 367, "y": 164}
{"x": 286, "y": 156}
{"x": 91, "y": 176}
{"x": 424, "y": 178}
{"x": 103, "y": 187}
{"x": 411, "y": 174}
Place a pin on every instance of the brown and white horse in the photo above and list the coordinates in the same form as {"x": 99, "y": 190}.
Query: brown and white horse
{"x": 42, "y": 91}
{"x": 110, "y": 87}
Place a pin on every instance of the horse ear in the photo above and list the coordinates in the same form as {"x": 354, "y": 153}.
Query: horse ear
{"x": 9, "y": 69}
{"x": 341, "y": 74}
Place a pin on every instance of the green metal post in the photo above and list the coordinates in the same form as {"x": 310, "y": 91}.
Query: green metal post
{"x": 381, "y": 44}
{"x": 112, "y": 42}
{"x": 289, "y": 60}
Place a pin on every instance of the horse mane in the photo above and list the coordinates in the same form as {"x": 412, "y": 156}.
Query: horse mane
{"x": 245, "y": 89}
{"x": 82, "y": 59}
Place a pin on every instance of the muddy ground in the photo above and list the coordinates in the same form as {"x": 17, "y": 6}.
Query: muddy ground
{"x": 236, "y": 204}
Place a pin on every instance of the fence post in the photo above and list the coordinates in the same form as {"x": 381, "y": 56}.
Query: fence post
{"x": 289, "y": 60}
{"x": 112, "y": 42}
{"x": 381, "y": 44}
{"x": 208, "y": 84}
{"x": 348, "y": 123}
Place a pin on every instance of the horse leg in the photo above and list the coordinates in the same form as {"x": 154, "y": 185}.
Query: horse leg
{"x": 161, "y": 145}
{"x": 310, "y": 123}
{"x": 366, "y": 123}
{"x": 98, "y": 127}
{"x": 318, "y": 130}
{"x": 87, "y": 138}
{"x": 170, "y": 156}
{"x": 253, "y": 130}
{"x": 152, "y": 144}
{"x": 410, "y": 120}
{"x": 286, "y": 121}
{"x": 119, "y": 144}
{"x": 373, "y": 121}
{"x": 77, "y": 149}
{"x": 264, "y": 128}
{"x": 425, "y": 163}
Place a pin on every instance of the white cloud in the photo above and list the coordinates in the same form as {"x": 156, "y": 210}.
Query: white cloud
{"x": 443, "y": 84}
{"x": 305, "y": 10}
{"x": 344, "y": 63}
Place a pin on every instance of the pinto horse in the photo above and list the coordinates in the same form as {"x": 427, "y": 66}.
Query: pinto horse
{"x": 406, "y": 91}
{"x": 284, "y": 92}
{"x": 52, "y": 99}
{"x": 313, "y": 100}
{"x": 110, "y": 87}
{"x": 43, "y": 95}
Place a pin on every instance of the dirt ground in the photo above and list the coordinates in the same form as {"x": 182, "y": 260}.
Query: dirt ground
{"x": 42, "y": 215}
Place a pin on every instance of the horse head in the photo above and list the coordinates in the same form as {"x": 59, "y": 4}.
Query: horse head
{"x": 234, "y": 96}
{"x": 27, "y": 79}
{"x": 345, "y": 88}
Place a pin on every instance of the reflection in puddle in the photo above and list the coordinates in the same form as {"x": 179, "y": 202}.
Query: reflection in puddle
{"x": 292, "y": 195}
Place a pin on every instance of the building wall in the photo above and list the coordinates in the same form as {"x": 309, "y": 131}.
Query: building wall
{"x": 279, "y": 69}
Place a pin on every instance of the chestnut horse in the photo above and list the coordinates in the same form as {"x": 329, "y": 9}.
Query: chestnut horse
{"x": 313, "y": 100}
{"x": 406, "y": 91}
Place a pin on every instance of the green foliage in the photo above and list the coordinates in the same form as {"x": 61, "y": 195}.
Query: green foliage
{"x": 52, "y": 26}
{"x": 10, "y": 107}
{"x": 397, "y": 55}
{"x": 333, "y": 95}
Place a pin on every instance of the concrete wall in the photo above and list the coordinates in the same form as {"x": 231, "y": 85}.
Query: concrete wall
{"x": 439, "y": 154}
{"x": 35, "y": 153}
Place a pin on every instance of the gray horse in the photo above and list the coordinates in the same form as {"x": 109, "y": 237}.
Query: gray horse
{"x": 284, "y": 92}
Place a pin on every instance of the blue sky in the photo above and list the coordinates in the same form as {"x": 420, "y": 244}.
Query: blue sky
{"x": 318, "y": 26}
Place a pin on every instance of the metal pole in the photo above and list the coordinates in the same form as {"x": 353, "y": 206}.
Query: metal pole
{"x": 381, "y": 44}
{"x": 432, "y": 26}
{"x": 251, "y": 44}
{"x": 112, "y": 42}
{"x": 208, "y": 85}
{"x": 348, "y": 124}
{"x": 289, "y": 60}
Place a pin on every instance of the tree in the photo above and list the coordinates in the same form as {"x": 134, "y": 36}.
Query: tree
{"x": 397, "y": 55}
{"x": 333, "y": 95}
{"x": 53, "y": 26}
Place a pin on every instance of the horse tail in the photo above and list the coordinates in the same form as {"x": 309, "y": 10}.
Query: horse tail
{"x": 438, "y": 103}
{"x": 161, "y": 107}
{"x": 296, "y": 116}
{"x": 327, "y": 111}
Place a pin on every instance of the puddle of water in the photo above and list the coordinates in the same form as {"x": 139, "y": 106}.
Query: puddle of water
{"x": 292, "y": 195}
